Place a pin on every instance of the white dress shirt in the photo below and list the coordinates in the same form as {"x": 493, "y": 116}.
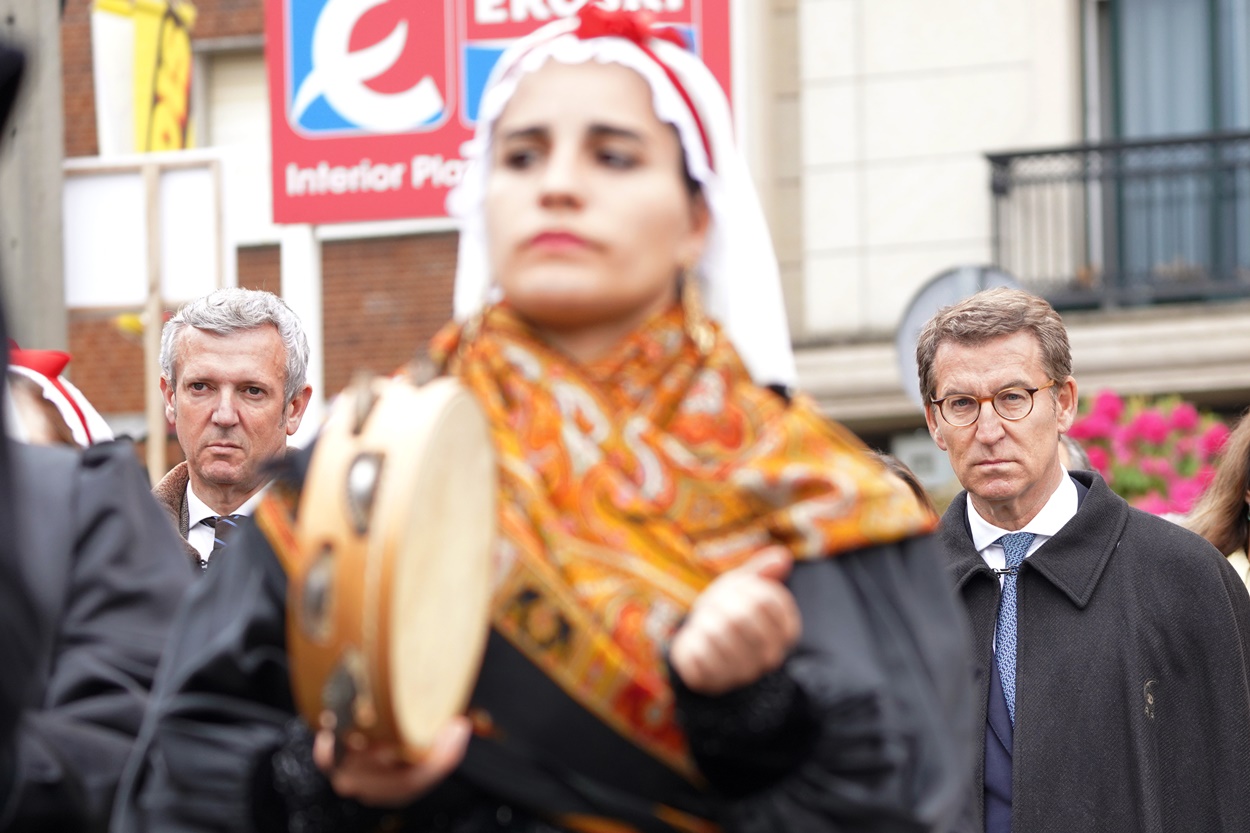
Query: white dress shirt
{"x": 1059, "y": 509}
{"x": 200, "y": 534}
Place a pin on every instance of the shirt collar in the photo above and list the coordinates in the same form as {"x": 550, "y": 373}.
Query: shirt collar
{"x": 198, "y": 510}
{"x": 1059, "y": 509}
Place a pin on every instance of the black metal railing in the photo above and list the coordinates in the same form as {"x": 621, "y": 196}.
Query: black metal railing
{"x": 1124, "y": 223}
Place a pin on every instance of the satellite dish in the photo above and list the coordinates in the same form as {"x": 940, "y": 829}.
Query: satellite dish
{"x": 946, "y": 289}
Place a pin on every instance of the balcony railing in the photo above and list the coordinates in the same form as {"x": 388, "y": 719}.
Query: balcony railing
{"x": 1126, "y": 223}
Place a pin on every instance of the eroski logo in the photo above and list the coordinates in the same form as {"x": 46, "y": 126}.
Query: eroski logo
{"x": 331, "y": 80}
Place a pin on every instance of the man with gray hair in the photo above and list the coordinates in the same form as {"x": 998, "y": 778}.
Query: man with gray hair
{"x": 233, "y": 374}
{"x": 1111, "y": 645}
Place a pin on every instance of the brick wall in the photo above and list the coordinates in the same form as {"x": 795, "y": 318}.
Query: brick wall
{"x": 108, "y": 369}
{"x": 260, "y": 267}
{"x": 383, "y": 299}
{"x": 108, "y": 363}
{"x": 228, "y": 18}
{"x": 76, "y": 79}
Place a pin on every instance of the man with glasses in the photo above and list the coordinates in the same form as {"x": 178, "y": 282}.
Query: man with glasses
{"x": 1111, "y": 646}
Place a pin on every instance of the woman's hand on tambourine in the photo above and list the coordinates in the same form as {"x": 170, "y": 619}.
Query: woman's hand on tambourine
{"x": 378, "y": 775}
{"x": 740, "y": 627}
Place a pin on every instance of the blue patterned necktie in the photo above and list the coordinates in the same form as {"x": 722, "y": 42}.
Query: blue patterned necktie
{"x": 223, "y": 527}
{"x": 1016, "y": 546}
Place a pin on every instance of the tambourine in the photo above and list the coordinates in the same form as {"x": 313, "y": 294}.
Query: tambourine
{"x": 388, "y": 609}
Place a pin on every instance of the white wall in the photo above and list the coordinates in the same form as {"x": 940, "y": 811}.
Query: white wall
{"x": 235, "y": 119}
{"x": 897, "y": 102}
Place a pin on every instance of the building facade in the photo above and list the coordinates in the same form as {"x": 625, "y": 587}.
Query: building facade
{"x": 1094, "y": 150}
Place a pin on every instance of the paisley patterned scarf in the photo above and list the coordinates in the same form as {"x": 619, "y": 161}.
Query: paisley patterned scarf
{"x": 629, "y": 484}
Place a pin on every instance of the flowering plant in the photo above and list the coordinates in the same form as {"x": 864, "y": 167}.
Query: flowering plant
{"x": 1159, "y": 456}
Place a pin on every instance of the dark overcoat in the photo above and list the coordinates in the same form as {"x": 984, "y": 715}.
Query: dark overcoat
{"x": 1132, "y": 694}
{"x": 19, "y": 633}
{"x": 105, "y": 584}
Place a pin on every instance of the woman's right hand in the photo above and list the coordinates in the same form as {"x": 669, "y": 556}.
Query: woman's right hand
{"x": 740, "y": 627}
{"x": 378, "y": 775}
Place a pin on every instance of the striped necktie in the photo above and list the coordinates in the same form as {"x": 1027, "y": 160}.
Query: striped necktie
{"x": 1016, "y": 546}
{"x": 223, "y": 527}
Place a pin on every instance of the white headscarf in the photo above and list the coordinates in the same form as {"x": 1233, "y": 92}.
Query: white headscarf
{"x": 738, "y": 274}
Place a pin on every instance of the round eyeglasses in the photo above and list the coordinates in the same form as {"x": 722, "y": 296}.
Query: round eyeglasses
{"x": 960, "y": 409}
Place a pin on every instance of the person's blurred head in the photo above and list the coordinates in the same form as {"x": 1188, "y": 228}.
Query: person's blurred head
{"x": 590, "y": 220}
{"x": 995, "y": 373}
{"x": 36, "y": 420}
{"x": 899, "y": 469}
{"x": 233, "y": 374}
{"x": 49, "y": 408}
{"x": 1220, "y": 515}
{"x": 1072, "y": 454}
{"x": 604, "y": 172}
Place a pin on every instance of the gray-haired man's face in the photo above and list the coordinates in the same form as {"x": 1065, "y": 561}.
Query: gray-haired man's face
{"x": 228, "y": 406}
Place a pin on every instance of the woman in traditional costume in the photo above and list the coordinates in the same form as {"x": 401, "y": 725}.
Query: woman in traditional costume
{"x": 713, "y": 610}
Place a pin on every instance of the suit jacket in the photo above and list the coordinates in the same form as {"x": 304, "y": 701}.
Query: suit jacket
{"x": 97, "y": 554}
{"x": 1132, "y": 685}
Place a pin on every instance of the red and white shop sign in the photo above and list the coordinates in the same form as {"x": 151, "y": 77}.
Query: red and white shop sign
{"x": 370, "y": 100}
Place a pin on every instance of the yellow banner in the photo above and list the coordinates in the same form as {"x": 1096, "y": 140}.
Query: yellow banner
{"x": 162, "y": 80}
{"x": 141, "y": 52}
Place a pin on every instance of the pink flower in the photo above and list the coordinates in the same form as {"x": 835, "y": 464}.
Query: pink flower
{"x": 1098, "y": 459}
{"x": 1213, "y": 440}
{"x": 1184, "y": 417}
{"x": 1150, "y": 426}
{"x": 1184, "y": 493}
{"x": 1145, "y": 451}
{"x": 1108, "y": 404}
{"x": 1152, "y": 503}
{"x": 1093, "y": 426}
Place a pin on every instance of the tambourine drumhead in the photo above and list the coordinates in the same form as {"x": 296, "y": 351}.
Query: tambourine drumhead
{"x": 441, "y": 596}
{"x": 389, "y": 608}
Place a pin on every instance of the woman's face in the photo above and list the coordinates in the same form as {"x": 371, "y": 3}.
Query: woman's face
{"x": 588, "y": 215}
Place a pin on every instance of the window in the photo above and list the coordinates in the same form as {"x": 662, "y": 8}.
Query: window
{"x": 1162, "y": 69}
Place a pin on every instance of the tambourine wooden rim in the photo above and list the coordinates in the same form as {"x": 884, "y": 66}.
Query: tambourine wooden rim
{"x": 388, "y": 609}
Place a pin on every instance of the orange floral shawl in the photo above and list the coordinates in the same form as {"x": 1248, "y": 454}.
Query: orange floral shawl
{"x": 629, "y": 484}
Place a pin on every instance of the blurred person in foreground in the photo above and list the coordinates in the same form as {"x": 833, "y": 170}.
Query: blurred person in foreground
{"x": 51, "y": 410}
{"x": 20, "y": 632}
{"x": 233, "y": 373}
{"x": 1222, "y": 514}
{"x": 105, "y": 582}
{"x": 766, "y": 637}
{"x": 1112, "y": 644}
{"x": 98, "y": 586}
